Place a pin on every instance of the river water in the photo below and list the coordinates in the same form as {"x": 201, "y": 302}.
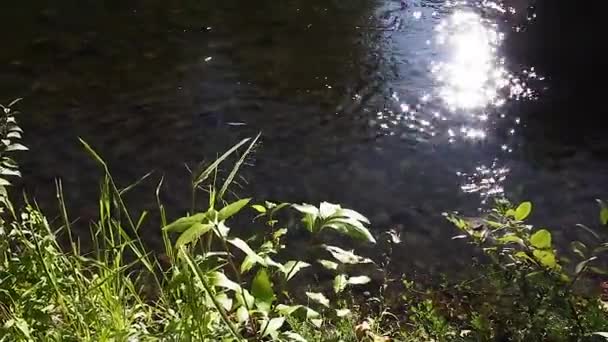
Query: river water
{"x": 401, "y": 110}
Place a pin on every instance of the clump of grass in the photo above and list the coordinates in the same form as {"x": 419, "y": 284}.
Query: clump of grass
{"x": 212, "y": 285}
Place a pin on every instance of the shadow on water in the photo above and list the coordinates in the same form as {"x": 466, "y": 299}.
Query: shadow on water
{"x": 400, "y": 112}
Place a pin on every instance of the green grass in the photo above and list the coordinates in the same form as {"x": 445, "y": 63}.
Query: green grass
{"x": 209, "y": 284}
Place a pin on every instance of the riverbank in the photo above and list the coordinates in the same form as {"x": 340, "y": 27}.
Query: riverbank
{"x": 210, "y": 283}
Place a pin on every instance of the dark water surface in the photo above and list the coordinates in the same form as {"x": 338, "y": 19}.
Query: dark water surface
{"x": 401, "y": 112}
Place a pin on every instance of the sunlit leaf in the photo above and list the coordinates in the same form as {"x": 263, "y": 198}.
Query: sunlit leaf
{"x": 604, "y": 216}
{"x": 359, "y": 280}
{"x": 340, "y": 282}
{"x": 287, "y": 310}
{"x": 346, "y": 257}
{"x": 510, "y": 213}
{"x": 511, "y": 239}
{"x": 523, "y": 211}
{"x": 330, "y": 265}
{"x": 353, "y": 215}
{"x": 224, "y": 300}
{"x": 317, "y": 322}
{"x": 272, "y": 326}
{"x": 219, "y": 279}
{"x": 243, "y": 297}
{"x": 352, "y": 228}
{"x": 541, "y": 239}
{"x": 318, "y": 298}
{"x": 261, "y": 289}
{"x": 184, "y": 223}
{"x": 327, "y": 210}
{"x": 291, "y": 336}
{"x": 16, "y": 147}
{"x": 292, "y": 267}
{"x": 523, "y": 256}
{"x": 272, "y": 263}
{"x": 232, "y": 208}
{"x": 242, "y": 314}
{"x": 342, "y": 312}
{"x": 259, "y": 208}
{"x": 243, "y": 246}
{"x": 603, "y": 334}
{"x": 306, "y": 209}
{"x": 192, "y": 234}
{"x": 546, "y": 258}
{"x": 247, "y": 264}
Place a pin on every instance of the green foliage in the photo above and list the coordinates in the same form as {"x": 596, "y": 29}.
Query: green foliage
{"x": 210, "y": 284}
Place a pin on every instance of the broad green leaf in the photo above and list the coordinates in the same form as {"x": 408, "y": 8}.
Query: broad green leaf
{"x": 353, "y": 215}
{"x": 272, "y": 263}
{"x": 184, "y": 223}
{"x": 604, "y": 216}
{"x": 327, "y": 210}
{"x": 340, "y": 282}
{"x": 242, "y": 314}
{"x": 342, "y": 312}
{"x": 511, "y": 239}
{"x": 318, "y": 297}
{"x": 523, "y": 211}
{"x": 219, "y": 279}
{"x": 346, "y": 257}
{"x": 287, "y": 310}
{"x": 272, "y": 326}
{"x": 359, "y": 280}
{"x": 351, "y": 228}
{"x": 224, "y": 300}
{"x": 261, "y": 289}
{"x": 244, "y": 298}
{"x": 292, "y": 267}
{"x": 546, "y": 258}
{"x": 192, "y": 234}
{"x": 243, "y": 246}
{"x": 259, "y": 208}
{"x": 306, "y": 209}
{"x": 523, "y": 256}
{"x": 291, "y": 336}
{"x": 247, "y": 264}
{"x": 510, "y": 213}
{"x": 330, "y": 265}
{"x": 541, "y": 239}
{"x": 232, "y": 208}
{"x": 583, "y": 264}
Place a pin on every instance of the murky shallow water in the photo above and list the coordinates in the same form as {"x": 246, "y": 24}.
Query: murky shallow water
{"x": 400, "y": 112}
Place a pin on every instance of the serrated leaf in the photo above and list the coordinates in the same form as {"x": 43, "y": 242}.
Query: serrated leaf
{"x": 330, "y": 265}
{"x": 272, "y": 326}
{"x": 359, "y": 280}
{"x": 193, "y": 234}
{"x": 343, "y": 312}
{"x": 318, "y": 297}
{"x": 259, "y": 208}
{"x": 292, "y": 267}
{"x": 541, "y": 239}
{"x": 243, "y": 246}
{"x": 340, "y": 282}
{"x": 261, "y": 289}
{"x": 346, "y": 257}
{"x": 184, "y": 223}
{"x": 232, "y": 209}
{"x": 523, "y": 211}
